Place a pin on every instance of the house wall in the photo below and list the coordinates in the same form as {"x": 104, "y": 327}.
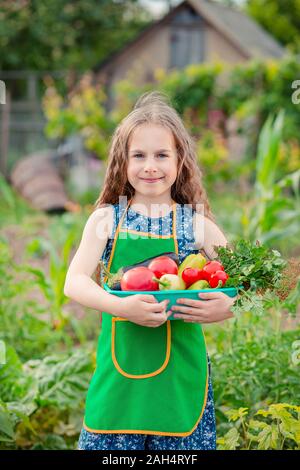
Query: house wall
{"x": 141, "y": 59}
{"x": 217, "y": 47}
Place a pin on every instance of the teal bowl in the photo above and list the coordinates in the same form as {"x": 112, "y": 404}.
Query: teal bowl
{"x": 172, "y": 295}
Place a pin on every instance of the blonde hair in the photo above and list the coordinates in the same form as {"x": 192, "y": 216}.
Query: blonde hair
{"x": 154, "y": 108}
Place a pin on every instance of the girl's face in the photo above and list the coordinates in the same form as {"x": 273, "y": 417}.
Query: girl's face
{"x": 152, "y": 160}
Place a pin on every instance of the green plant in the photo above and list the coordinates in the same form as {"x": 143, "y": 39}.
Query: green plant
{"x": 253, "y": 360}
{"x": 279, "y": 430}
{"x": 272, "y": 215}
{"x": 63, "y": 233}
{"x": 13, "y": 207}
{"x": 38, "y": 394}
{"x": 52, "y": 286}
{"x": 255, "y": 270}
{"x": 213, "y": 159}
{"x": 254, "y": 266}
{"x": 22, "y": 318}
{"x": 83, "y": 114}
{"x": 41, "y": 392}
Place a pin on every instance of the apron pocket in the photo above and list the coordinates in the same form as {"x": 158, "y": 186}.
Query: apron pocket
{"x": 139, "y": 352}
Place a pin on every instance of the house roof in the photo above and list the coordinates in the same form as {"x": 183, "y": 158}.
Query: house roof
{"x": 240, "y": 29}
{"x": 243, "y": 30}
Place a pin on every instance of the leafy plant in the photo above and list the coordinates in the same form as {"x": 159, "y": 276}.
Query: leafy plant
{"x": 279, "y": 430}
{"x": 83, "y": 114}
{"x": 253, "y": 357}
{"x": 253, "y": 270}
{"x": 22, "y": 318}
{"x": 272, "y": 216}
{"x": 52, "y": 286}
{"x": 252, "y": 266}
{"x": 13, "y": 207}
{"x": 56, "y": 383}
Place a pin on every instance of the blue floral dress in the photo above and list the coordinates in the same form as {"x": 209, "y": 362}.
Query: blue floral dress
{"x": 204, "y": 436}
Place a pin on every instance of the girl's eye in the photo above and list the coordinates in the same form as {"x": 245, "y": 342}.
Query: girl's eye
{"x": 160, "y": 155}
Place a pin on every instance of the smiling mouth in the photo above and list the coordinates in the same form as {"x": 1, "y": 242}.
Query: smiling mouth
{"x": 152, "y": 179}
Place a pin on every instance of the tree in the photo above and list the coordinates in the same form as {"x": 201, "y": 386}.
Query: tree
{"x": 280, "y": 17}
{"x": 63, "y": 34}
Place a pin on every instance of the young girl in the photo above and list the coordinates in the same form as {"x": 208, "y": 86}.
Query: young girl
{"x": 151, "y": 388}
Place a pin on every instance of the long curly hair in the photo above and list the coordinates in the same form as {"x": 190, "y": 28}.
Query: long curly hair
{"x": 155, "y": 108}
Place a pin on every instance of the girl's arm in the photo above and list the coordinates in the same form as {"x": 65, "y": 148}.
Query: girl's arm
{"x": 79, "y": 285}
{"x": 217, "y": 306}
{"x": 208, "y": 235}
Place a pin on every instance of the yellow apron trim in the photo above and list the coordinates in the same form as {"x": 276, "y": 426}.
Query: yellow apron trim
{"x": 119, "y": 229}
{"x": 174, "y": 229}
{"x": 138, "y": 431}
{"x": 155, "y": 433}
{"x": 142, "y": 376}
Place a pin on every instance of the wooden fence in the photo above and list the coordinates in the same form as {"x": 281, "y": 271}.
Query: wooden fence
{"x": 21, "y": 117}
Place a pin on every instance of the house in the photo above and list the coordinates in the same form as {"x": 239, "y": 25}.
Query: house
{"x": 194, "y": 31}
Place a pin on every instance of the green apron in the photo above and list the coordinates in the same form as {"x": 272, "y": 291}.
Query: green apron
{"x": 147, "y": 380}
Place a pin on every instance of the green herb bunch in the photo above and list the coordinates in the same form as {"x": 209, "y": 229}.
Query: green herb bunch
{"x": 253, "y": 270}
{"x": 254, "y": 267}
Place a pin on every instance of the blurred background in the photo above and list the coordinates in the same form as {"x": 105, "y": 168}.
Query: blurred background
{"x": 69, "y": 72}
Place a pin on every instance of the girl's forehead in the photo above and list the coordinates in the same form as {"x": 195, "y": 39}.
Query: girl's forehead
{"x": 151, "y": 133}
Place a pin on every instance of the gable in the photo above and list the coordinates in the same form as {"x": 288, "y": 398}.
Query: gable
{"x": 189, "y": 42}
{"x": 187, "y": 31}
{"x": 240, "y": 28}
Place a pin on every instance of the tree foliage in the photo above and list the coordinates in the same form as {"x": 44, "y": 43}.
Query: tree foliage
{"x": 63, "y": 34}
{"x": 281, "y": 18}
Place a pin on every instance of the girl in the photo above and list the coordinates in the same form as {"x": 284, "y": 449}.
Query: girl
{"x": 151, "y": 388}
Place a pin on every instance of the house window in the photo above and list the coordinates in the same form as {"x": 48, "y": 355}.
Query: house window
{"x": 186, "y": 39}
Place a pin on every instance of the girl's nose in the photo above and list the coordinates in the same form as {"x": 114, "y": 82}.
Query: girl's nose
{"x": 150, "y": 167}
{"x": 150, "y": 170}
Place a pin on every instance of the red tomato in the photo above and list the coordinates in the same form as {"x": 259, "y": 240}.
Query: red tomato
{"x": 139, "y": 278}
{"x": 163, "y": 265}
{"x": 216, "y": 277}
{"x": 212, "y": 266}
{"x": 191, "y": 275}
{"x": 203, "y": 275}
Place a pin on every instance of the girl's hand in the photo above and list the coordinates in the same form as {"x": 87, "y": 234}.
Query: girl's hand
{"x": 144, "y": 310}
{"x": 216, "y": 307}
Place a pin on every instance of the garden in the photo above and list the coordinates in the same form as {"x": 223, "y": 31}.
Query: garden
{"x": 48, "y": 342}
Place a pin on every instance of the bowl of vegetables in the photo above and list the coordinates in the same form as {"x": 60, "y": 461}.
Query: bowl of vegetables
{"x": 244, "y": 270}
{"x": 164, "y": 278}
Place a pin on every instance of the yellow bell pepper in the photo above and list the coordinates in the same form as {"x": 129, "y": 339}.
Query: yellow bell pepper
{"x": 192, "y": 261}
{"x": 199, "y": 285}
